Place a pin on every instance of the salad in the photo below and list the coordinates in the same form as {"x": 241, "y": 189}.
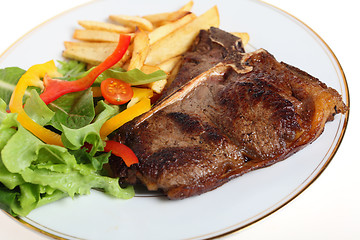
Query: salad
{"x": 55, "y": 118}
{"x": 54, "y": 123}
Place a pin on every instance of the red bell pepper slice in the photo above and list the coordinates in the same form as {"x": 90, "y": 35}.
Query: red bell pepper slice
{"x": 55, "y": 88}
{"x": 121, "y": 150}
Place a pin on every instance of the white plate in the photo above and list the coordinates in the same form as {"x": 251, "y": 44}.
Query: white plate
{"x": 235, "y": 205}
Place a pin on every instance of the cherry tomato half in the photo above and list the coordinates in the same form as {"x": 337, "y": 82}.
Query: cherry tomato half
{"x": 115, "y": 91}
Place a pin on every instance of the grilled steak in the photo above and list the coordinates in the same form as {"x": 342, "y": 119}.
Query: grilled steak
{"x": 247, "y": 112}
{"x": 209, "y": 48}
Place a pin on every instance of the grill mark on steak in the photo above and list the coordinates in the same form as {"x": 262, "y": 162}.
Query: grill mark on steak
{"x": 248, "y": 112}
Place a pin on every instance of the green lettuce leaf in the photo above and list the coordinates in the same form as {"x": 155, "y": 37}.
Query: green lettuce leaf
{"x": 72, "y": 69}
{"x": 77, "y": 183}
{"x": 134, "y": 76}
{"x": 44, "y": 166}
{"x": 8, "y": 199}
{"x": 8, "y": 80}
{"x": 76, "y": 138}
{"x": 34, "y": 173}
{"x": 84, "y": 157}
{"x": 27, "y": 197}
{"x": 7, "y": 124}
{"x": 15, "y": 156}
{"x": 2, "y": 109}
{"x": 37, "y": 110}
{"x": 8, "y": 179}
{"x": 73, "y": 110}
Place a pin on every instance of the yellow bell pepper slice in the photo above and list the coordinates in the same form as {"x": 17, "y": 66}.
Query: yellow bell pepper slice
{"x": 125, "y": 116}
{"x": 139, "y": 93}
{"x": 32, "y": 77}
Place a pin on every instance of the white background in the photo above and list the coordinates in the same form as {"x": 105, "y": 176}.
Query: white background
{"x": 330, "y": 207}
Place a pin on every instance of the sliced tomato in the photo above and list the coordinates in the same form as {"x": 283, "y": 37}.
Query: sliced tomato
{"x": 115, "y": 91}
{"x": 121, "y": 150}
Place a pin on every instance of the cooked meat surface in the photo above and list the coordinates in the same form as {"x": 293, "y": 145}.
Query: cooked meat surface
{"x": 209, "y": 48}
{"x": 248, "y": 112}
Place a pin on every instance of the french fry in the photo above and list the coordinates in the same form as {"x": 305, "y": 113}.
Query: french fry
{"x": 133, "y": 22}
{"x": 188, "y": 6}
{"x": 158, "y": 40}
{"x": 104, "y": 26}
{"x": 93, "y": 56}
{"x": 140, "y": 51}
{"x": 166, "y": 17}
{"x": 243, "y": 35}
{"x": 92, "y": 53}
{"x": 95, "y": 35}
{"x": 164, "y": 30}
{"x": 112, "y": 45}
{"x": 149, "y": 69}
{"x": 169, "y": 64}
{"x": 157, "y": 86}
{"x": 167, "y": 67}
{"x": 173, "y": 73}
{"x": 179, "y": 14}
{"x": 180, "y": 40}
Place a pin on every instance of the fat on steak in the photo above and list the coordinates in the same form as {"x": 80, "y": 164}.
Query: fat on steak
{"x": 238, "y": 113}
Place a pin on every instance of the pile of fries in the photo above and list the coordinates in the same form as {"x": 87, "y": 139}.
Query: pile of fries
{"x": 158, "y": 40}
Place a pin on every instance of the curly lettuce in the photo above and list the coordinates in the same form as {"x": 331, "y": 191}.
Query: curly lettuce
{"x": 33, "y": 173}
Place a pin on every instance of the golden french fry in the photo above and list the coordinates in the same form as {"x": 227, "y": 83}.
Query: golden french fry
{"x": 164, "y": 30}
{"x": 140, "y": 51}
{"x": 179, "y": 14}
{"x": 157, "y": 86}
{"x": 173, "y": 72}
{"x": 168, "y": 65}
{"x": 243, "y": 35}
{"x": 90, "y": 44}
{"x": 133, "y": 22}
{"x": 180, "y": 40}
{"x": 104, "y": 26}
{"x": 126, "y": 64}
{"x": 96, "y": 35}
{"x": 92, "y": 53}
{"x": 162, "y": 18}
{"x": 149, "y": 69}
{"x": 188, "y": 6}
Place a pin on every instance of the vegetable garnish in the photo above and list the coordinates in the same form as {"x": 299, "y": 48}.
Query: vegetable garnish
{"x": 48, "y": 166}
{"x": 115, "y": 91}
{"x": 121, "y": 150}
{"x": 55, "y": 88}
{"x": 33, "y": 173}
{"x": 123, "y": 117}
{"x": 54, "y": 127}
{"x": 32, "y": 78}
{"x": 140, "y": 93}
